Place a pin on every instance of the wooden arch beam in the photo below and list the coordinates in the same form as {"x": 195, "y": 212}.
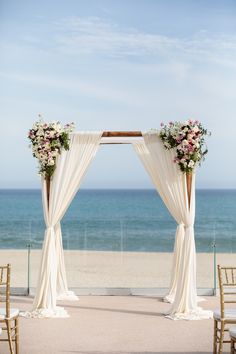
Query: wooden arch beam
{"x": 112, "y": 135}
{"x": 121, "y": 134}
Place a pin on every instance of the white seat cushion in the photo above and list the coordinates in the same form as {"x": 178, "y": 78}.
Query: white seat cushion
{"x": 232, "y": 332}
{"x": 13, "y": 313}
{"x": 229, "y": 314}
{"x": 0, "y": 331}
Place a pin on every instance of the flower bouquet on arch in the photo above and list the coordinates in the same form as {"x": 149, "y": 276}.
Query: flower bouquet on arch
{"x": 188, "y": 138}
{"x": 47, "y": 141}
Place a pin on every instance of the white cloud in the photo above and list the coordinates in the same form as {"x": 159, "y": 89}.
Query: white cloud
{"x": 92, "y": 35}
{"x": 89, "y": 35}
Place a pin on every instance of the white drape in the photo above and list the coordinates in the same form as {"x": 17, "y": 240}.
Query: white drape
{"x": 71, "y": 167}
{"x": 170, "y": 183}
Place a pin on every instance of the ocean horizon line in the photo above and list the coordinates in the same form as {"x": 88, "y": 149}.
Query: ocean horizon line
{"x": 118, "y": 189}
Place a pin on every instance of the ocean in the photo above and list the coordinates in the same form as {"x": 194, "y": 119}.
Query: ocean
{"x": 118, "y": 220}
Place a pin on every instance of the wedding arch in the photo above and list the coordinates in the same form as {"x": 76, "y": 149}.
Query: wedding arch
{"x": 176, "y": 189}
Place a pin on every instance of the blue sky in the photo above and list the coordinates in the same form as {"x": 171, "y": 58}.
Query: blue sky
{"x": 117, "y": 65}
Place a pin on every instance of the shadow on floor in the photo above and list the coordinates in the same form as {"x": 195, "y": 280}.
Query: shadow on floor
{"x": 143, "y": 313}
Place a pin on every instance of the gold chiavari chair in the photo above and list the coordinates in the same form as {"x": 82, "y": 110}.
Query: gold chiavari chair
{"x": 232, "y": 333}
{"x": 224, "y": 316}
{"x": 8, "y": 316}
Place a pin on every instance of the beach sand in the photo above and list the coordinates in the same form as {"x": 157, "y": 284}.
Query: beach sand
{"x": 93, "y": 269}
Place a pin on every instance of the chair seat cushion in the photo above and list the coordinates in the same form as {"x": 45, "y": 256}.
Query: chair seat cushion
{"x": 13, "y": 313}
{"x": 232, "y": 332}
{"x": 229, "y": 314}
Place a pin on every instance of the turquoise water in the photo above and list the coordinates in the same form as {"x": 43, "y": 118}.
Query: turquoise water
{"x": 119, "y": 220}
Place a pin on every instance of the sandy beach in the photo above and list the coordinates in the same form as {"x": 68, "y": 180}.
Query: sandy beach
{"x": 93, "y": 269}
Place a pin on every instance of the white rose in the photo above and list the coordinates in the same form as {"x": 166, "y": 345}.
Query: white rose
{"x": 185, "y": 142}
{"x": 51, "y": 162}
{"x": 52, "y": 134}
{"x": 195, "y": 129}
{"x": 191, "y": 164}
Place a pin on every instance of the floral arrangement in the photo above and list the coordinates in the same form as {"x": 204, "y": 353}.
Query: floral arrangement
{"x": 189, "y": 140}
{"x": 47, "y": 142}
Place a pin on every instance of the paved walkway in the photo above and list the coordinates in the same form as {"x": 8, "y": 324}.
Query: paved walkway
{"x": 114, "y": 325}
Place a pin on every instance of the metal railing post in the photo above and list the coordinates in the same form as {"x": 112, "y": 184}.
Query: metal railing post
{"x": 214, "y": 255}
{"x": 122, "y": 241}
{"x": 29, "y": 246}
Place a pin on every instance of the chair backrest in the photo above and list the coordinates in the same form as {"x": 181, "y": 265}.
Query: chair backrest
{"x": 227, "y": 285}
{"x": 5, "y": 287}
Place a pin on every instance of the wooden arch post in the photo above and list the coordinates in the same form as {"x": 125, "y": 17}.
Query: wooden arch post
{"x": 189, "y": 178}
{"x": 48, "y": 180}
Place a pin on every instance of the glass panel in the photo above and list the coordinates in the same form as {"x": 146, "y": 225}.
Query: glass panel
{"x": 119, "y": 253}
{"x": 37, "y": 228}
{"x": 226, "y": 243}
{"x": 117, "y": 238}
{"x": 205, "y": 242}
{"x": 13, "y": 250}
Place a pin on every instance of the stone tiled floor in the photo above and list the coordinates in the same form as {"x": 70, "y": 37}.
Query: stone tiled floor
{"x": 116, "y": 325}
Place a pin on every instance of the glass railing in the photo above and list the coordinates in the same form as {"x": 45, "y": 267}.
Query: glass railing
{"x": 112, "y": 253}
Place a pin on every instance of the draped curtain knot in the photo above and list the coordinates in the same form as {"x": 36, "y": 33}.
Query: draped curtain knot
{"x": 51, "y": 227}
{"x": 190, "y": 226}
{"x": 186, "y": 226}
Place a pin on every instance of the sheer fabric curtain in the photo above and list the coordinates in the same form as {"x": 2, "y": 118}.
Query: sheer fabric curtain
{"x": 71, "y": 167}
{"x": 170, "y": 183}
